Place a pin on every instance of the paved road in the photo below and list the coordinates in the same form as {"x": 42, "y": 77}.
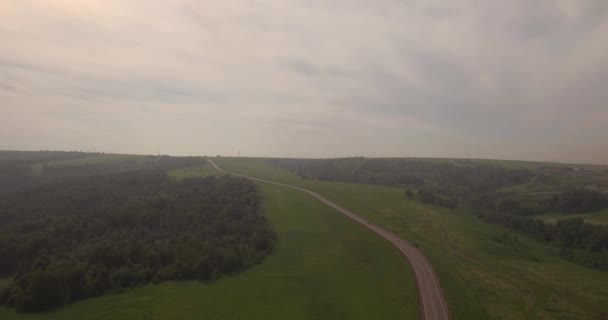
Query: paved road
{"x": 430, "y": 297}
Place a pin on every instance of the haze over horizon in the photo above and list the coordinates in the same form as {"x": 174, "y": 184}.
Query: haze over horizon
{"x": 524, "y": 80}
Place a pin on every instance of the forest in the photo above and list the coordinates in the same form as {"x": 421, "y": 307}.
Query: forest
{"x": 86, "y": 235}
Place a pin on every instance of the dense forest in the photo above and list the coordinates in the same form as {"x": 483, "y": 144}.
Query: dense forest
{"x": 480, "y": 187}
{"x": 85, "y": 235}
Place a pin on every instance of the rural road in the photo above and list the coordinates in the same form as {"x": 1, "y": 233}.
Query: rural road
{"x": 430, "y": 297}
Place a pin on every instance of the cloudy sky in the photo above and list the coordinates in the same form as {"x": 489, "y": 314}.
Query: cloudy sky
{"x": 307, "y": 78}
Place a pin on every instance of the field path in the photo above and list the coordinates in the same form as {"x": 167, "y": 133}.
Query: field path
{"x": 430, "y": 296}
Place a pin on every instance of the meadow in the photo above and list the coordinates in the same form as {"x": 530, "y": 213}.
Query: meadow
{"x": 487, "y": 271}
{"x": 324, "y": 267}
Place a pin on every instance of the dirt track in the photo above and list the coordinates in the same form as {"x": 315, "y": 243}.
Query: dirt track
{"x": 430, "y": 297}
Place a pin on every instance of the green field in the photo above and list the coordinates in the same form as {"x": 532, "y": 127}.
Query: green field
{"x": 600, "y": 217}
{"x": 4, "y": 282}
{"x": 325, "y": 267}
{"x": 89, "y": 160}
{"x": 513, "y": 164}
{"x": 516, "y": 164}
{"x": 195, "y": 171}
{"x": 483, "y": 278}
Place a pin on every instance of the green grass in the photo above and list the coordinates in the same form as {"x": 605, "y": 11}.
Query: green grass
{"x": 195, "y": 171}
{"x": 94, "y": 159}
{"x": 532, "y": 186}
{"x": 600, "y": 217}
{"x": 513, "y": 164}
{"x": 325, "y": 267}
{"x": 516, "y": 164}
{"x": 4, "y": 282}
{"x": 482, "y": 278}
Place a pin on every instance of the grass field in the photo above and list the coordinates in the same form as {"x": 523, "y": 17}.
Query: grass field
{"x": 4, "y": 282}
{"x": 195, "y": 171}
{"x": 516, "y": 164}
{"x": 325, "y": 267}
{"x": 482, "y": 278}
{"x": 600, "y": 217}
{"x": 93, "y": 159}
{"x": 513, "y": 164}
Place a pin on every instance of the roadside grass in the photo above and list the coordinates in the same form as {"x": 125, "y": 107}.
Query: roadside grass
{"x": 483, "y": 278}
{"x": 93, "y": 159}
{"x": 599, "y": 217}
{"x": 324, "y": 267}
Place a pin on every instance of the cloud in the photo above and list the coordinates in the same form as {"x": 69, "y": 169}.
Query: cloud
{"x": 307, "y": 78}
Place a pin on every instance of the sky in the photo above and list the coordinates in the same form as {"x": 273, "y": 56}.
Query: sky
{"x": 520, "y": 79}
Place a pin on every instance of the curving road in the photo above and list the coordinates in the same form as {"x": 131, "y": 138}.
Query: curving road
{"x": 430, "y": 297}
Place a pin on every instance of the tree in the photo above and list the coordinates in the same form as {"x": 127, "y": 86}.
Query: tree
{"x": 427, "y": 197}
{"x": 409, "y": 194}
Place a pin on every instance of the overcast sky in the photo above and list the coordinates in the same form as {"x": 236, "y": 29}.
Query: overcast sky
{"x": 515, "y": 79}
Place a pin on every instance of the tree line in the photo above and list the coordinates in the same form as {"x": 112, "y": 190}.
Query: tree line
{"x": 81, "y": 238}
{"x": 431, "y": 198}
{"x": 16, "y": 167}
{"x": 449, "y": 179}
{"x": 579, "y": 242}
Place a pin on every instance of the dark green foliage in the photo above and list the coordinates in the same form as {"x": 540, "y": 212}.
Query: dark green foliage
{"x": 14, "y": 176}
{"x": 440, "y": 183}
{"x": 409, "y": 194}
{"x": 510, "y": 205}
{"x": 579, "y": 200}
{"x": 429, "y": 197}
{"x": 443, "y": 178}
{"x": 84, "y": 237}
{"x": 507, "y": 239}
{"x": 519, "y": 223}
{"x": 16, "y": 170}
{"x": 579, "y": 242}
{"x": 30, "y": 157}
{"x": 461, "y": 180}
{"x": 479, "y": 186}
{"x": 60, "y": 173}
